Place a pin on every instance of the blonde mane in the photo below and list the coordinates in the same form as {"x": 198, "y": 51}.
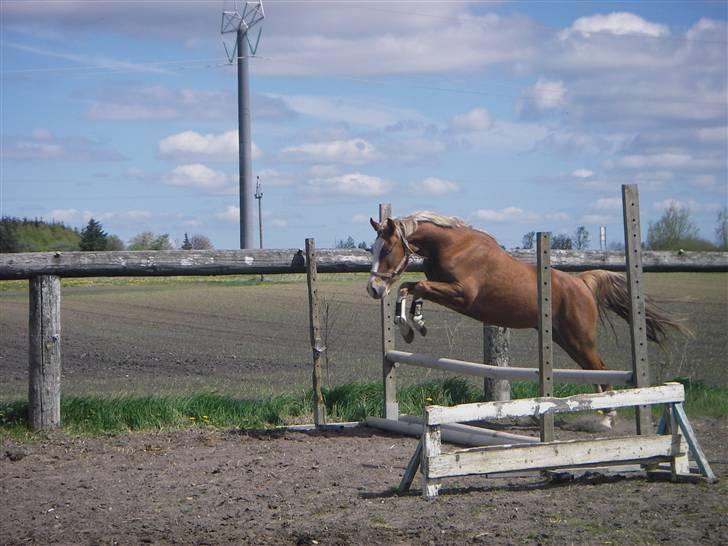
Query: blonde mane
{"x": 409, "y": 223}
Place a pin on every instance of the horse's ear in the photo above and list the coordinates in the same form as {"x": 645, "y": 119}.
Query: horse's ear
{"x": 391, "y": 226}
{"x": 377, "y": 227}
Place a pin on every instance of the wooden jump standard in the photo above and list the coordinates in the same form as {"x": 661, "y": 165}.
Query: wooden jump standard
{"x": 439, "y": 423}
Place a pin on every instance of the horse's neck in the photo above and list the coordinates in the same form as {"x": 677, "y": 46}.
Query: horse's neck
{"x": 428, "y": 238}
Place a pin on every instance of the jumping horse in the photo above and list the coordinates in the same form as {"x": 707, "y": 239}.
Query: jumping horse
{"x": 468, "y": 272}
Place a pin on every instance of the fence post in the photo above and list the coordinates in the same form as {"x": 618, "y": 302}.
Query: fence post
{"x": 389, "y": 375}
{"x": 638, "y": 327}
{"x": 545, "y": 349}
{"x": 44, "y": 354}
{"x": 497, "y": 352}
{"x": 319, "y": 408}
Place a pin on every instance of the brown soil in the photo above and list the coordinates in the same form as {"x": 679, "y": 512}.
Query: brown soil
{"x": 206, "y": 486}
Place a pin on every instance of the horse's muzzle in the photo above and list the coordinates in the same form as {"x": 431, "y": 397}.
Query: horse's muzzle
{"x": 377, "y": 287}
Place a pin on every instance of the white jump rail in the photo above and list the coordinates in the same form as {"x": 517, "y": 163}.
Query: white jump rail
{"x": 588, "y": 377}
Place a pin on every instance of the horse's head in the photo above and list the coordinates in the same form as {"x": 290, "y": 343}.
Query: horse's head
{"x": 390, "y": 255}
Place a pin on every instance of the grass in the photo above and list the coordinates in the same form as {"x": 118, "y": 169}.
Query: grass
{"x": 351, "y": 402}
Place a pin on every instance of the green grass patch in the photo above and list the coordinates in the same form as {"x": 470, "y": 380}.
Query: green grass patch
{"x": 350, "y": 402}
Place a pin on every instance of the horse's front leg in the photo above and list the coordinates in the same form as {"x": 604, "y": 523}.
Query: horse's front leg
{"x": 450, "y": 295}
{"x": 400, "y": 315}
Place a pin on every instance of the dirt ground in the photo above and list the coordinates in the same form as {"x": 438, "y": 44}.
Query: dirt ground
{"x": 206, "y": 486}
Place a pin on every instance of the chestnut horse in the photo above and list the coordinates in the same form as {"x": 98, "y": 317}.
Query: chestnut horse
{"x": 468, "y": 272}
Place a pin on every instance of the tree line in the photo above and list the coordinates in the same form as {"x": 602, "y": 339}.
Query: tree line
{"x": 25, "y": 235}
{"x": 674, "y": 230}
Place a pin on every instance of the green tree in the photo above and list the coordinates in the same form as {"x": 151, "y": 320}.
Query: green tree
{"x": 528, "y": 240}
{"x": 9, "y": 241}
{"x": 93, "y": 236}
{"x": 581, "y": 238}
{"x": 721, "y": 229}
{"x": 113, "y": 242}
{"x": 673, "y": 230}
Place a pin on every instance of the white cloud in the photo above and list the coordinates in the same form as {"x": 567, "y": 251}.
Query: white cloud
{"x": 230, "y": 214}
{"x": 582, "y": 173}
{"x": 437, "y": 186}
{"x": 611, "y": 204}
{"x": 349, "y": 110}
{"x": 196, "y": 175}
{"x": 616, "y": 23}
{"x": 547, "y": 94}
{"x": 354, "y": 151}
{"x": 516, "y": 214}
{"x": 507, "y": 214}
{"x": 223, "y": 146}
{"x": 41, "y": 133}
{"x": 668, "y": 160}
{"x": 477, "y": 119}
{"x": 355, "y": 184}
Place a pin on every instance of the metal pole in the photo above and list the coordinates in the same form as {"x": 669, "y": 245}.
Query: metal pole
{"x": 259, "y": 197}
{"x": 244, "y": 145}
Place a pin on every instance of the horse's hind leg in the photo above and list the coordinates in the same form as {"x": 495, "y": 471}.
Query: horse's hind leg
{"x": 585, "y": 354}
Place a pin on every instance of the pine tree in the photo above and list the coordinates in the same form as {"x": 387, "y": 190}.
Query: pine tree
{"x": 93, "y": 236}
{"x": 187, "y": 244}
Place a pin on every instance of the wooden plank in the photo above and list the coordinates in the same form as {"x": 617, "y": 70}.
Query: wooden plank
{"x": 496, "y": 352}
{"x": 545, "y": 349}
{"x": 652, "y": 260}
{"x": 44, "y": 354}
{"x": 125, "y": 263}
{"x": 681, "y": 418}
{"x": 389, "y": 372}
{"x": 575, "y": 453}
{"x": 513, "y": 373}
{"x": 317, "y": 346}
{"x": 638, "y": 327}
{"x": 411, "y": 469}
{"x": 665, "y": 394}
{"x": 431, "y": 450}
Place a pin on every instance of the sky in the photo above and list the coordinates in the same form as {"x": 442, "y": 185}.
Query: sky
{"x": 515, "y": 116}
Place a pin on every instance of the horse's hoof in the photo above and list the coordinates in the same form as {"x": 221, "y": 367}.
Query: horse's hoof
{"x": 407, "y": 332}
{"x": 423, "y": 331}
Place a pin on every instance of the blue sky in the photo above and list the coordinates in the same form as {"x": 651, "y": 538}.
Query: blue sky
{"x": 515, "y": 116}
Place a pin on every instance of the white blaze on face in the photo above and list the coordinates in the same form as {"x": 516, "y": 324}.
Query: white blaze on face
{"x": 376, "y": 285}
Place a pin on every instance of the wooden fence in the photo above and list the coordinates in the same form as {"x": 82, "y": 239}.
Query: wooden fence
{"x": 44, "y": 269}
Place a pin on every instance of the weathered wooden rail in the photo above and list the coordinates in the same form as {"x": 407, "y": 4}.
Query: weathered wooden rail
{"x": 268, "y": 262}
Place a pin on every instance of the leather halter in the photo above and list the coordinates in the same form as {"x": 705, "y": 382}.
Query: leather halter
{"x": 402, "y": 264}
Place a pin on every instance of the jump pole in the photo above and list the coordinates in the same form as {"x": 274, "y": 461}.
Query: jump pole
{"x": 389, "y": 375}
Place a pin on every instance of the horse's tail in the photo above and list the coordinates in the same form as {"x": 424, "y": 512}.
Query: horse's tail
{"x": 611, "y": 293}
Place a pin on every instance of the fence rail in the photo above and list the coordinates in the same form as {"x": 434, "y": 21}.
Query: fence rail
{"x": 268, "y": 262}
